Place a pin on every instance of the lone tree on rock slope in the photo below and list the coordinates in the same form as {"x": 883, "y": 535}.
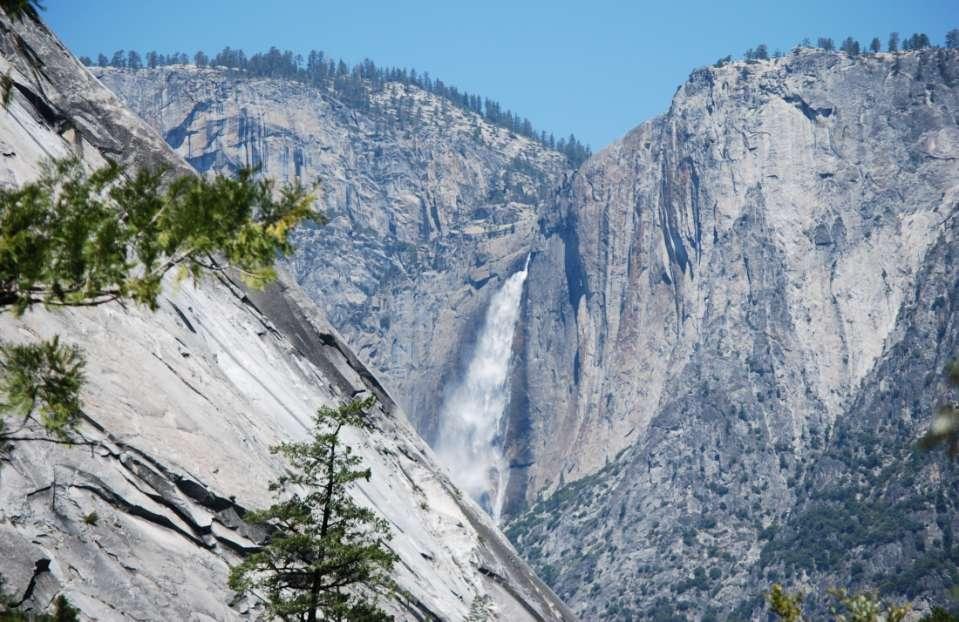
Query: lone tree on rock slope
{"x": 325, "y": 553}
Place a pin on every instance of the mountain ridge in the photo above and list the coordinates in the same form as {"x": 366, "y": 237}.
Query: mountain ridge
{"x": 354, "y": 85}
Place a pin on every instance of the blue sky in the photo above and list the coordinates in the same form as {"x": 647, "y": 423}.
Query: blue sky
{"x": 596, "y": 68}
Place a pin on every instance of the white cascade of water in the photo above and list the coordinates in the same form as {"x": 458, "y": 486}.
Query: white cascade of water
{"x": 471, "y": 420}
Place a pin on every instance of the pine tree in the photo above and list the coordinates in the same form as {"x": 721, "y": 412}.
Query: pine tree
{"x": 850, "y": 46}
{"x": 722, "y": 62}
{"x": 875, "y": 46}
{"x": 133, "y": 60}
{"x": 55, "y": 400}
{"x": 917, "y": 41}
{"x": 952, "y": 39}
{"x": 102, "y": 60}
{"x": 826, "y": 44}
{"x": 893, "y": 44}
{"x": 321, "y": 541}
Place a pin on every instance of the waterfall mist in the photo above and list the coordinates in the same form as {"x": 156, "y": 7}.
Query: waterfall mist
{"x": 469, "y": 442}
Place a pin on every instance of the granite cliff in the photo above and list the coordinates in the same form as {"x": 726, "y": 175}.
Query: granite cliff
{"x": 733, "y": 337}
{"x": 431, "y": 208}
{"x": 181, "y": 407}
{"x": 731, "y": 332}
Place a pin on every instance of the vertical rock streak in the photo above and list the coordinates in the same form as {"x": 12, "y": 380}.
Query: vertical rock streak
{"x": 470, "y": 437}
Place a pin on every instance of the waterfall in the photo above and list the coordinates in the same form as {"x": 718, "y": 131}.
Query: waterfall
{"x": 471, "y": 420}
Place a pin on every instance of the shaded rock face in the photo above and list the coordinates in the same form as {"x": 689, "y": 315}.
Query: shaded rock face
{"x": 734, "y": 305}
{"x": 180, "y": 409}
{"x": 430, "y": 207}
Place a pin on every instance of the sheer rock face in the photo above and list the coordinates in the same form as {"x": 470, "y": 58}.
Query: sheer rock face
{"x": 180, "y": 409}
{"x": 722, "y": 295}
{"x": 733, "y": 323}
{"x": 431, "y": 207}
